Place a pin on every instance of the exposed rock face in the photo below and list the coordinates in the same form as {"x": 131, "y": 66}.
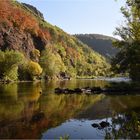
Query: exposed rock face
{"x": 13, "y": 39}
{"x": 39, "y": 42}
{"x": 32, "y": 8}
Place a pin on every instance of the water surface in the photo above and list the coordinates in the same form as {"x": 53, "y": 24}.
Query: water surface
{"x": 32, "y": 110}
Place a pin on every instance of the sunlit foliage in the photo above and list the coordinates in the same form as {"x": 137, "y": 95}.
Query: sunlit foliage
{"x": 51, "y": 63}
{"x": 9, "y": 62}
{"x": 34, "y": 69}
{"x": 63, "y": 53}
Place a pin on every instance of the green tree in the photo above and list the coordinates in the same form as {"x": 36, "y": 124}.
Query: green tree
{"x": 34, "y": 70}
{"x": 29, "y": 70}
{"x": 128, "y": 59}
{"x": 9, "y": 62}
{"x": 51, "y": 63}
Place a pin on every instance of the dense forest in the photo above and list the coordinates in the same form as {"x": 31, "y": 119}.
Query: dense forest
{"x": 31, "y": 48}
{"x": 99, "y": 43}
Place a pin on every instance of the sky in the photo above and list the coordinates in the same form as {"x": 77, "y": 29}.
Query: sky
{"x": 81, "y": 16}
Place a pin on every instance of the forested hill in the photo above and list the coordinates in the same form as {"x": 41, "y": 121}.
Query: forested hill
{"x": 100, "y": 43}
{"x": 42, "y": 50}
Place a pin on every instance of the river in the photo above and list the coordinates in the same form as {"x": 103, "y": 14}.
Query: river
{"x": 34, "y": 111}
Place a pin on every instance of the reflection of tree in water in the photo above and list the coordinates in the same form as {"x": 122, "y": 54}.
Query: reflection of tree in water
{"x": 126, "y": 126}
{"x": 59, "y": 108}
{"x": 12, "y": 103}
{"x": 17, "y": 107}
{"x": 10, "y": 106}
{"x": 8, "y": 91}
{"x": 25, "y": 114}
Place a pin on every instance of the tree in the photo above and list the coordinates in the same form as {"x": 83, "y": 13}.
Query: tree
{"x": 51, "y": 63}
{"x": 34, "y": 70}
{"x": 9, "y": 62}
{"x": 128, "y": 59}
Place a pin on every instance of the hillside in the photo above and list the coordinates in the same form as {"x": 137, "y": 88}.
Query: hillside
{"x": 43, "y": 50}
{"x": 99, "y": 43}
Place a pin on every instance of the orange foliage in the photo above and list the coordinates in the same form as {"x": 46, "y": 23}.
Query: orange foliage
{"x": 16, "y": 16}
{"x": 72, "y": 52}
{"x": 44, "y": 34}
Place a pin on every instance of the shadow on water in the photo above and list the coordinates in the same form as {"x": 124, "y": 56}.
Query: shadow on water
{"x": 32, "y": 110}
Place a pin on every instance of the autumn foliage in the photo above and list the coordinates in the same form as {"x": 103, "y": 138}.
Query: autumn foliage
{"x": 34, "y": 37}
{"x": 15, "y": 16}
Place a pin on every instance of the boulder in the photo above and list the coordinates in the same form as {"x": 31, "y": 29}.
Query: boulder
{"x": 95, "y": 125}
{"x": 104, "y": 124}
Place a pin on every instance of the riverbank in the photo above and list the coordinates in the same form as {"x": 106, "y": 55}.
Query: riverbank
{"x": 108, "y": 79}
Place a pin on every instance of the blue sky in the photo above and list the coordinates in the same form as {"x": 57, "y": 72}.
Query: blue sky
{"x": 81, "y": 16}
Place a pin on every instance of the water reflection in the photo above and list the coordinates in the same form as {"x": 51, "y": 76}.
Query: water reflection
{"x": 51, "y": 85}
{"x": 111, "y": 105}
{"x": 17, "y": 105}
{"x": 125, "y": 126}
{"x": 23, "y": 108}
{"x": 32, "y": 110}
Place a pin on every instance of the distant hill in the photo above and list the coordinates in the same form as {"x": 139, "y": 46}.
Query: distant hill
{"x": 100, "y": 43}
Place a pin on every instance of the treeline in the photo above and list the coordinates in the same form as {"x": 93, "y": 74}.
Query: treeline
{"x": 14, "y": 66}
